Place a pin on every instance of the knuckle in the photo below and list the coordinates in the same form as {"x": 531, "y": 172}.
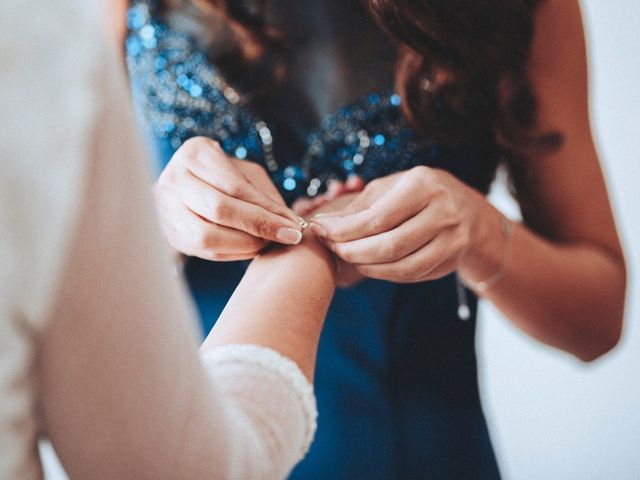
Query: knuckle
{"x": 200, "y": 143}
{"x": 435, "y": 188}
{"x": 374, "y": 220}
{"x": 391, "y": 249}
{"x": 202, "y": 239}
{"x": 214, "y": 144}
{"x": 262, "y": 227}
{"x": 422, "y": 173}
{"x": 192, "y": 147}
{"x": 195, "y": 142}
{"x": 253, "y": 167}
{"x": 233, "y": 187}
{"x": 452, "y": 216}
{"x": 218, "y": 209}
{"x": 373, "y": 185}
{"x": 439, "y": 190}
{"x": 202, "y": 152}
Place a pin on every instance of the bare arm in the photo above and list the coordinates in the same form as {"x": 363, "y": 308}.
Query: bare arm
{"x": 281, "y": 303}
{"x": 566, "y": 282}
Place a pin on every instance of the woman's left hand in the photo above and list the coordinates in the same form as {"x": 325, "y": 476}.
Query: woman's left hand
{"x": 407, "y": 227}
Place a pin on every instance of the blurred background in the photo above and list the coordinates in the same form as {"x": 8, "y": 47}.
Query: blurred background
{"x": 550, "y": 416}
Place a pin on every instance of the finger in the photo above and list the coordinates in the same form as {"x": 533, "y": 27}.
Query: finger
{"x": 190, "y": 234}
{"x": 394, "y": 207}
{"x": 395, "y": 244}
{"x": 212, "y": 166}
{"x": 225, "y": 241}
{"x": 259, "y": 178}
{"x": 221, "y": 209}
{"x": 421, "y": 265}
{"x": 226, "y": 257}
{"x": 335, "y": 188}
{"x": 354, "y": 184}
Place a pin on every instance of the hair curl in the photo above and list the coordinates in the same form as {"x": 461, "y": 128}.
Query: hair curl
{"x": 462, "y": 69}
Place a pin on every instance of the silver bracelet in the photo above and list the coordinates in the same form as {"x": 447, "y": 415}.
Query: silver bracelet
{"x": 507, "y": 228}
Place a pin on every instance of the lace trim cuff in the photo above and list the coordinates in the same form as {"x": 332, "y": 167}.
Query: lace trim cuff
{"x": 275, "y": 362}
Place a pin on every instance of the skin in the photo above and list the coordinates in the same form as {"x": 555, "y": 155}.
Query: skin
{"x": 219, "y": 208}
{"x": 145, "y": 352}
{"x": 566, "y": 283}
{"x": 259, "y": 314}
{"x": 198, "y": 192}
{"x": 120, "y": 388}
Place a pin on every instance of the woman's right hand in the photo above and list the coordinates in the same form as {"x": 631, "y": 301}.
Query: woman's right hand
{"x": 219, "y": 208}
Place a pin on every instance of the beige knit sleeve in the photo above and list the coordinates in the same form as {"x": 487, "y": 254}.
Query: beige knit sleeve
{"x": 124, "y": 392}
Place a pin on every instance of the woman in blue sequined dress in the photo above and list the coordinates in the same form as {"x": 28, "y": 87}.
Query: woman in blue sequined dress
{"x": 254, "y": 105}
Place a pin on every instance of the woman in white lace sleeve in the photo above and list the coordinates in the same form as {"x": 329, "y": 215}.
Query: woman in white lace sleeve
{"x": 91, "y": 356}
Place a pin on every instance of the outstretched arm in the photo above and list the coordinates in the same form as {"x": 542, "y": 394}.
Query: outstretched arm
{"x": 123, "y": 391}
{"x": 281, "y": 303}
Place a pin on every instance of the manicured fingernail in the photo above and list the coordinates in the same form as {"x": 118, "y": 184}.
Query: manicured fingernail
{"x": 319, "y": 230}
{"x": 290, "y": 236}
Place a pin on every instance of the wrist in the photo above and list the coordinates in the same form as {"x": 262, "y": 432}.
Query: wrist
{"x": 309, "y": 256}
{"x": 488, "y": 254}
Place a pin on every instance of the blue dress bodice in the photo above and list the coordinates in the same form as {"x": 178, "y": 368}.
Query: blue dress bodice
{"x": 396, "y": 376}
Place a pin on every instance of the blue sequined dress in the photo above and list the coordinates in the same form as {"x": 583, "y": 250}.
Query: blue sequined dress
{"x": 396, "y": 377}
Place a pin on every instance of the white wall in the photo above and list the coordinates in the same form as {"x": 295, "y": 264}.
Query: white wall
{"x": 550, "y": 416}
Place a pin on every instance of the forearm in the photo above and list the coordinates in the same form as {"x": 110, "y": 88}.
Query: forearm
{"x": 281, "y": 303}
{"x": 568, "y": 295}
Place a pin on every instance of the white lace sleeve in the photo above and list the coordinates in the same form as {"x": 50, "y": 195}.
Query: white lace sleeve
{"x": 273, "y": 397}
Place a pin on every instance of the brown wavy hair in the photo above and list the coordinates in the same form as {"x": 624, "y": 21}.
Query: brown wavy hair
{"x": 462, "y": 68}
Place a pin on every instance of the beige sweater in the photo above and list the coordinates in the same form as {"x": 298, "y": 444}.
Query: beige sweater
{"x": 80, "y": 251}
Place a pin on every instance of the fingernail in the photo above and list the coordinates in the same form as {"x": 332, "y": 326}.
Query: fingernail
{"x": 319, "y": 230}
{"x": 290, "y": 236}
